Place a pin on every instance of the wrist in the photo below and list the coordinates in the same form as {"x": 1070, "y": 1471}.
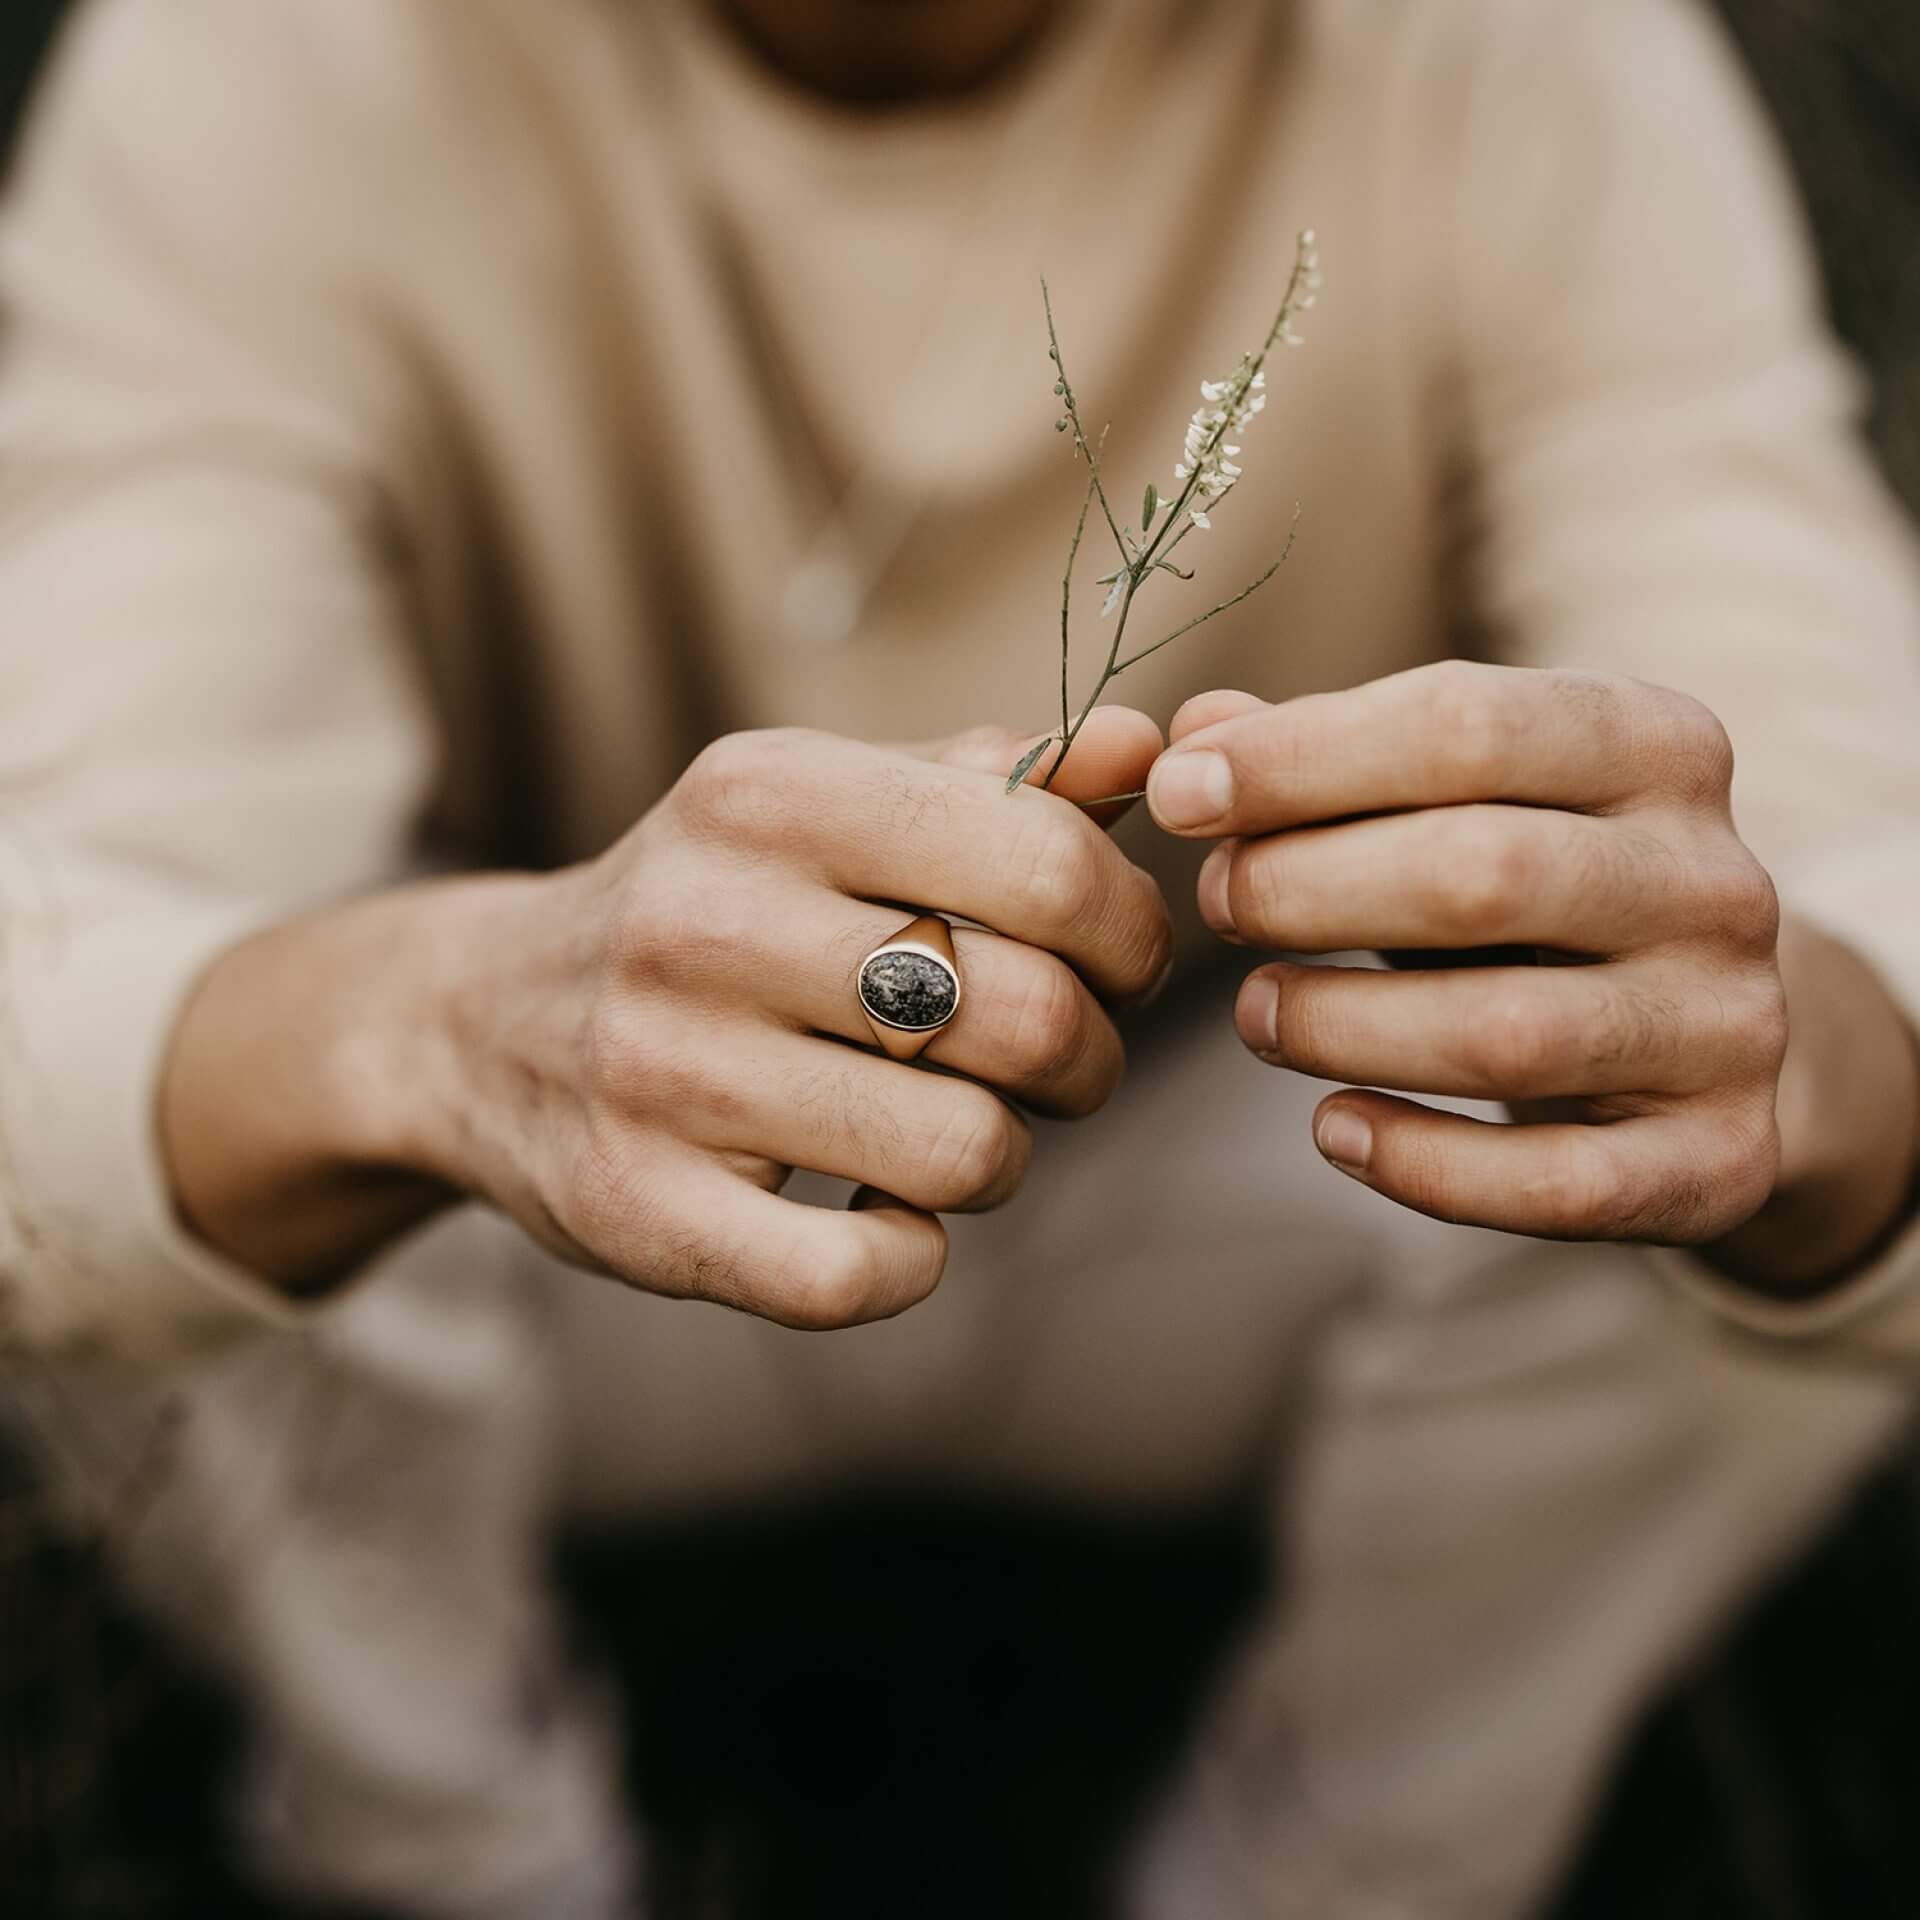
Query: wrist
{"x": 431, "y": 1006}
{"x": 308, "y": 1106}
{"x": 1849, "y": 1115}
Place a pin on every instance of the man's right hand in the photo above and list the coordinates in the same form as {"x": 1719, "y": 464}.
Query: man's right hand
{"x": 629, "y": 1056}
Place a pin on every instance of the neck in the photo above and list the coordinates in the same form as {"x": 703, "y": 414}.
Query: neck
{"x": 885, "y": 53}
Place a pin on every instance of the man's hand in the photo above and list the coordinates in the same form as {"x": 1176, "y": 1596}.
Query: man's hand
{"x": 1577, "y": 818}
{"x": 629, "y": 1056}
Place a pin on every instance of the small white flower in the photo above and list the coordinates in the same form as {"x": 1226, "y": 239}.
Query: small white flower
{"x": 1206, "y": 470}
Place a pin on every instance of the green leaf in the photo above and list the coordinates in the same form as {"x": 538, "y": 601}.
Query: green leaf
{"x": 1028, "y": 761}
{"x": 1149, "y": 506}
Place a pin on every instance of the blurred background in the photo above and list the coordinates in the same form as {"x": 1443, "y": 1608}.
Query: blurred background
{"x": 1777, "y": 1781}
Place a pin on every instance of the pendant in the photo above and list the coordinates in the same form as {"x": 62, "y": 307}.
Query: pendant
{"x": 820, "y": 605}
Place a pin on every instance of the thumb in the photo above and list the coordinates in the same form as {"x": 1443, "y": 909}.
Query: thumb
{"x": 1110, "y": 755}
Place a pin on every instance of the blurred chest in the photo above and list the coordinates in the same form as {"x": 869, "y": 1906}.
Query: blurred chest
{"x": 760, "y": 426}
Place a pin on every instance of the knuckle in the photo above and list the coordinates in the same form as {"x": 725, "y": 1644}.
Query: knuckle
{"x": 827, "y": 1291}
{"x": 667, "y": 924}
{"x": 1465, "y": 713}
{"x": 1307, "y": 1037}
{"x": 1258, "y": 892}
{"x": 1747, "y": 1042}
{"x": 1486, "y": 885}
{"x": 618, "y": 1053}
{"x": 1584, "y": 1191}
{"x": 1154, "y": 935}
{"x": 1516, "y": 1046}
{"x": 1748, "y": 906}
{"x": 651, "y": 1070}
{"x": 1696, "y": 746}
{"x": 1545, "y": 1041}
{"x": 1049, "y": 1032}
{"x": 1768, "y": 1026}
{"x": 724, "y": 764}
{"x": 975, "y": 1155}
{"x": 1756, "y": 1171}
{"x": 727, "y": 780}
{"x": 1057, "y": 873}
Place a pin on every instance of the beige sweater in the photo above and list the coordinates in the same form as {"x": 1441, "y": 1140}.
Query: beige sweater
{"x": 424, "y": 422}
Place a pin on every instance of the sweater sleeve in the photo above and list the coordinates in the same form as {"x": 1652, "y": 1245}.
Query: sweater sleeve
{"x": 1667, "y": 482}
{"x": 207, "y": 718}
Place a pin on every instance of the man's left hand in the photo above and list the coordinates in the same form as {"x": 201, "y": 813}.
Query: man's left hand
{"x": 1557, "y": 816}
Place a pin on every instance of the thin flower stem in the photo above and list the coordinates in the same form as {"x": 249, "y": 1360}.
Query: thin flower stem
{"x": 1087, "y": 453}
{"x": 1107, "y": 672}
{"x": 1066, "y": 584}
{"x": 1200, "y": 619}
{"x": 1181, "y": 535}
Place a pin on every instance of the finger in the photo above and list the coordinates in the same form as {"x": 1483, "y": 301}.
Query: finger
{"x": 1110, "y": 755}
{"x": 1678, "y": 1178}
{"x": 1026, "y": 1024}
{"x": 715, "y": 1236}
{"x": 883, "y": 826}
{"x": 1477, "y": 876}
{"x": 1208, "y": 709}
{"x": 1441, "y": 735}
{"x": 1502, "y": 1033}
{"x": 937, "y": 1142}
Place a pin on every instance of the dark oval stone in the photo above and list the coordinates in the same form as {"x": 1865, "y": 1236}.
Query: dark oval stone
{"x": 910, "y": 990}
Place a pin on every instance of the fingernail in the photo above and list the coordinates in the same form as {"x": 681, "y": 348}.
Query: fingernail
{"x": 1345, "y": 1138}
{"x": 1159, "y": 987}
{"x": 1189, "y": 789}
{"x": 1258, "y": 1013}
{"x": 1215, "y": 908}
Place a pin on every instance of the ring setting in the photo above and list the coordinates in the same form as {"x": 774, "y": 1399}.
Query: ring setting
{"x": 909, "y": 986}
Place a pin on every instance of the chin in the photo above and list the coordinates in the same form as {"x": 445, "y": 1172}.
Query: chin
{"x": 892, "y": 52}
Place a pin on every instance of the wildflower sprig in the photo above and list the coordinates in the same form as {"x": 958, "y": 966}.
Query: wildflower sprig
{"x": 1203, "y": 477}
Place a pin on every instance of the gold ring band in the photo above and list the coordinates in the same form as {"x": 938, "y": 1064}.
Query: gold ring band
{"x": 909, "y": 986}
